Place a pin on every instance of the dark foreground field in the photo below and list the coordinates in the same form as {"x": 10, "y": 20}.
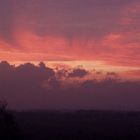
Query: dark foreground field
{"x": 79, "y": 125}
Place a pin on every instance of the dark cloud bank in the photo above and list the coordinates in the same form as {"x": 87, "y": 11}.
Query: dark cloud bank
{"x": 38, "y": 87}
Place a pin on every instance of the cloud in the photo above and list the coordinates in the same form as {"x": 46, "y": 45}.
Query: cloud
{"x": 112, "y": 75}
{"x": 70, "y": 30}
{"x": 22, "y": 83}
{"x": 78, "y": 72}
{"x": 6, "y": 19}
{"x": 37, "y": 87}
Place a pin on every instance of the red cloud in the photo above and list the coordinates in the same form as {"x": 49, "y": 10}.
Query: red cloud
{"x": 96, "y": 33}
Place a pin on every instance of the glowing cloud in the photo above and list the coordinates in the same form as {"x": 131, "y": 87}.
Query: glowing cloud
{"x": 92, "y": 30}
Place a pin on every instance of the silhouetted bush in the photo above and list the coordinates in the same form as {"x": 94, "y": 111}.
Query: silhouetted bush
{"x": 8, "y": 127}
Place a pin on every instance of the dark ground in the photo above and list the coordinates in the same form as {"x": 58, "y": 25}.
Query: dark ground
{"x": 79, "y": 125}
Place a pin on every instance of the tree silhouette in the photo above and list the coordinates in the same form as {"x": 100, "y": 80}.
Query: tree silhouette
{"x": 8, "y": 126}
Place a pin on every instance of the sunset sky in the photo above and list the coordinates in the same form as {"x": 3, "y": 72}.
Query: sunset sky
{"x": 77, "y": 39}
{"x": 65, "y": 30}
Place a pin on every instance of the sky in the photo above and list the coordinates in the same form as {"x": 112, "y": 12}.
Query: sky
{"x": 79, "y": 40}
{"x": 65, "y": 30}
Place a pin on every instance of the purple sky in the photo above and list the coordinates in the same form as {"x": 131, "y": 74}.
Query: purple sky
{"x": 101, "y": 32}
